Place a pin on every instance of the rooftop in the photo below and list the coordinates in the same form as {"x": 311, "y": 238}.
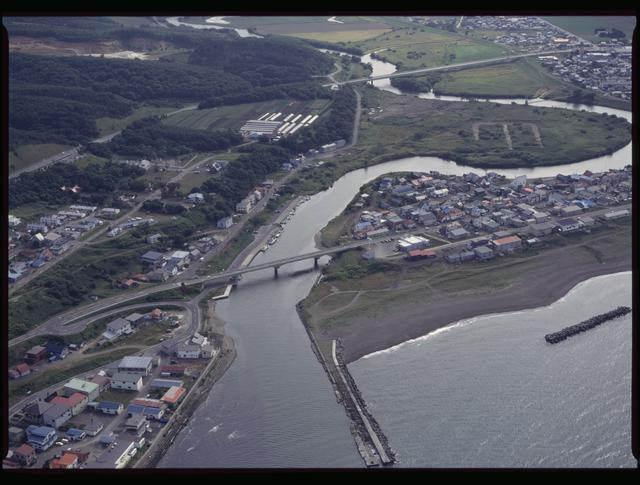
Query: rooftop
{"x": 131, "y": 362}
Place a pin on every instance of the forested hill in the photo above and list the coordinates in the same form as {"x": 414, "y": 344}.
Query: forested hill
{"x": 263, "y": 62}
{"x": 58, "y": 99}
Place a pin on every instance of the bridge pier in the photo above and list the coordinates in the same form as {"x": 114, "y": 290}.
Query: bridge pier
{"x": 275, "y": 271}
{"x": 315, "y": 262}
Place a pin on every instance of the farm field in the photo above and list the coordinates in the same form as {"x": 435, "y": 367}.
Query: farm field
{"x": 233, "y": 117}
{"x": 106, "y": 126}
{"x": 584, "y": 26}
{"x": 416, "y": 47}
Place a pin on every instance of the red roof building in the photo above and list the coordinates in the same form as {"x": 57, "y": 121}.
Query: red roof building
{"x": 173, "y": 395}
{"x": 65, "y": 462}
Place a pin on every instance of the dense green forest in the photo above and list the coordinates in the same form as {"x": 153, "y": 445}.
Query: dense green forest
{"x": 150, "y": 138}
{"x": 336, "y": 125}
{"x": 96, "y": 29}
{"x": 98, "y": 183}
{"x": 263, "y": 62}
{"x": 300, "y": 91}
{"x": 58, "y": 99}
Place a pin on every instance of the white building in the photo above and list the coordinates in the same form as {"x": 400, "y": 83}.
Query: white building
{"x": 127, "y": 382}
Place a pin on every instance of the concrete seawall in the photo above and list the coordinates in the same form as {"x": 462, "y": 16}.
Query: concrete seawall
{"x": 372, "y": 444}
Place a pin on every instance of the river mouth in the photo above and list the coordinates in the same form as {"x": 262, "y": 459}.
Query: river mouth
{"x": 275, "y": 406}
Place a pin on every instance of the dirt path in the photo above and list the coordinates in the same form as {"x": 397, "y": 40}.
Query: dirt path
{"x": 536, "y": 133}
{"x": 507, "y": 135}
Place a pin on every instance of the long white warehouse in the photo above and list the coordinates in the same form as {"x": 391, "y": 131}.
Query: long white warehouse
{"x": 307, "y": 118}
{"x": 296, "y": 118}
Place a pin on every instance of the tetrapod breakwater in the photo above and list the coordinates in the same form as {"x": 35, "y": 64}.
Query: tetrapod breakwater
{"x": 554, "y": 338}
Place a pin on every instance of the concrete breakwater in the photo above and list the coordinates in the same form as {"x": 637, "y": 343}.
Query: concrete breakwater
{"x": 567, "y": 332}
{"x": 371, "y": 442}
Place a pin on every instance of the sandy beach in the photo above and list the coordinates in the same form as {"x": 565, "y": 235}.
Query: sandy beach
{"x": 538, "y": 282}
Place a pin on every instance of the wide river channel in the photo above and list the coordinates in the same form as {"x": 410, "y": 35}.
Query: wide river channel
{"x": 275, "y": 407}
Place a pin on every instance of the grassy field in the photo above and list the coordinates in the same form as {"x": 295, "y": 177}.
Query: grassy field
{"x": 584, "y": 26}
{"x": 107, "y": 126}
{"x": 416, "y": 47}
{"x": 514, "y": 79}
{"x": 27, "y": 155}
{"x": 429, "y": 127}
{"x": 233, "y": 117}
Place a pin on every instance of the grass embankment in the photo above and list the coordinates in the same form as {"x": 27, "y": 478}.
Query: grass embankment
{"x": 585, "y": 26}
{"x": 93, "y": 270}
{"x": 37, "y": 381}
{"x": 416, "y": 47}
{"x": 26, "y": 155}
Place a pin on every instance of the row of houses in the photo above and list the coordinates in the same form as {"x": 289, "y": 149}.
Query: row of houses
{"x": 126, "y": 325}
{"x": 460, "y": 206}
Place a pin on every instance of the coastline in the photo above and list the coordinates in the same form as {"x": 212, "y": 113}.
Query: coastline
{"x": 532, "y": 291}
{"x": 198, "y": 394}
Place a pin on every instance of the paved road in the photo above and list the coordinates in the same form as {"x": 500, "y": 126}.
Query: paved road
{"x": 59, "y": 157}
{"x": 450, "y": 66}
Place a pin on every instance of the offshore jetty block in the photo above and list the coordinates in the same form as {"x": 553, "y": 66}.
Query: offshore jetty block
{"x": 554, "y": 338}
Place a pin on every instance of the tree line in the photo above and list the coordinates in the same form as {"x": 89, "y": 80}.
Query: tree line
{"x": 98, "y": 184}
{"x": 150, "y": 138}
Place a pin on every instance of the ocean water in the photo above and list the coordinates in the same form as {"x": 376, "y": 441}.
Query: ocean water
{"x": 490, "y": 392}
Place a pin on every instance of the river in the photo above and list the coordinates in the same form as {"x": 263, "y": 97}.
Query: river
{"x": 211, "y": 24}
{"x": 275, "y": 407}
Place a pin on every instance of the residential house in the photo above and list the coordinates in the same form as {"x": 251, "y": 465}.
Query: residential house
{"x": 153, "y": 258}
{"x": 33, "y": 412}
{"x": 57, "y": 415}
{"x": 173, "y": 395}
{"x": 135, "y": 365}
{"x": 57, "y": 349}
{"x": 127, "y": 382}
{"x": 20, "y": 370}
{"x": 41, "y": 437}
{"x": 76, "y": 402}
{"x": 188, "y": 351}
{"x": 67, "y": 461}
{"x": 569, "y": 225}
{"x": 483, "y": 252}
{"x": 103, "y": 382}
{"x": 179, "y": 259}
{"x": 571, "y": 210}
{"x": 135, "y": 318}
{"x": 195, "y": 198}
{"x": 507, "y": 244}
{"x": 542, "y": 229}
{"x": 87, "y": 388}
{"x": 225, "y": 223}
{"x": 25, "y": 455}
{"x": 136, "y": 422}
{"x": 110, "y": 407}
{"x": 35, "y": 354}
